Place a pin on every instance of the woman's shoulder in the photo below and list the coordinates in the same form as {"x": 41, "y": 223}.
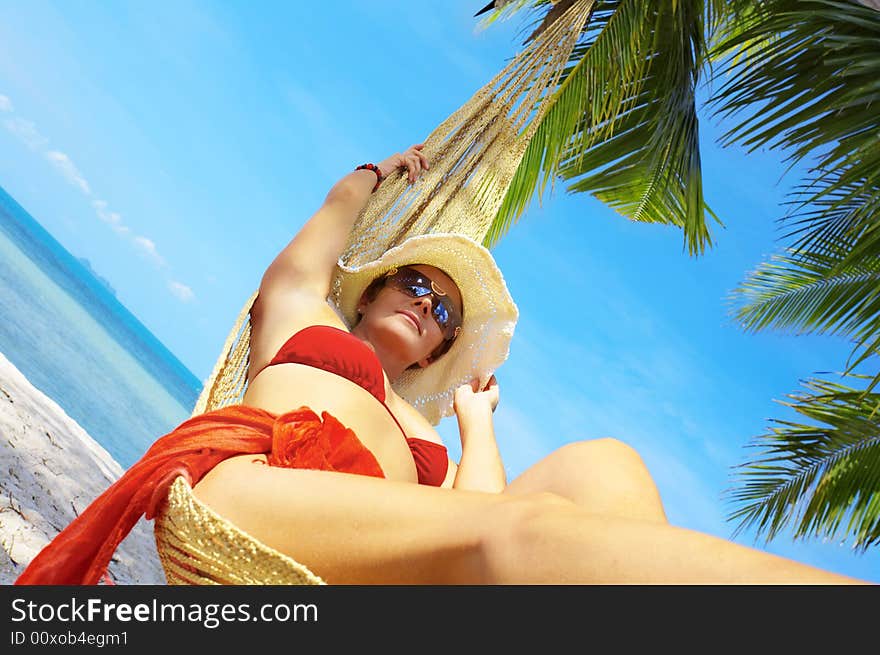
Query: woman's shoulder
{"x": 272, "y": 327}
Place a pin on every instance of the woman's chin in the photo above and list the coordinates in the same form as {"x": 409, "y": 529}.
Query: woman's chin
{"x": 397, "y": 338}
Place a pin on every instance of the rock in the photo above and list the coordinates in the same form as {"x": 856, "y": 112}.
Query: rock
{"x": 50, "y": 470}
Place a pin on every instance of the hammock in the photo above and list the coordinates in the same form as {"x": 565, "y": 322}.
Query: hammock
{"x": 474, "y": 155}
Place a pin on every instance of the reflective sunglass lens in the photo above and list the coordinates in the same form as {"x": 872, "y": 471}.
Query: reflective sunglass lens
{"x": 417, "y": 286}
{"x": 414, "y": 289}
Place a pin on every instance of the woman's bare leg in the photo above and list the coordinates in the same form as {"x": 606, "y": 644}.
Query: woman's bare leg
{"x": 558, "y": 545}
{"x": 607, "y": 537}
{"x": 603, "y": 476}
{"x": 353, "y": 529}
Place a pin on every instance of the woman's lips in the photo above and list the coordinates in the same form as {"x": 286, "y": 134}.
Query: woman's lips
{"x": 413, "y": 320}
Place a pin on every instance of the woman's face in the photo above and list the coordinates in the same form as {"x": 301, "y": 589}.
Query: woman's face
{"x": 405, "y": 324}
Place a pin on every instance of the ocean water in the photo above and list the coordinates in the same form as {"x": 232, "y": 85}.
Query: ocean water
{"x": 66, "y": 331}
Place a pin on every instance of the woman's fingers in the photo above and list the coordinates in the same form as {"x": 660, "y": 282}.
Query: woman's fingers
{"x": 419, "y": 158}
{"x": 423, "y": 158}
{"x": 412, "y": 159}
{"x": 475, "y": 384}
{"x": 414, "y": 166}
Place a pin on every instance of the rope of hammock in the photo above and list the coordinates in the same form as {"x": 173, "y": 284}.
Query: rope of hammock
{"x": 474, "y": 155}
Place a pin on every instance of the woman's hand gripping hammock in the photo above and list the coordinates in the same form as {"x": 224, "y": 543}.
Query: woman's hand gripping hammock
{"x": 412, "y": 159}
{"x": 470, "y": 398}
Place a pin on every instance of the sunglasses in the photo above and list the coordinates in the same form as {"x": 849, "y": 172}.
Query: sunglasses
{"x": 418, "y": 285}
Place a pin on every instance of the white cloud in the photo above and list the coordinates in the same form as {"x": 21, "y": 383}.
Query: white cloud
{"x": 113, "y": 219}
{"x": 148, "y": 247}
{"x": 26, "y": 132}
{"x": 182, "y": 291}
{"x": 68, "y": 170}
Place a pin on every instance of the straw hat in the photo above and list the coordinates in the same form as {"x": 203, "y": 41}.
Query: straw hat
{"x": 487, "y": 326}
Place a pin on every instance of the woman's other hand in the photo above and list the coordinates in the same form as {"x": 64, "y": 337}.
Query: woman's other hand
{"x": 412, "y": 159}
{"x": 469, "y": 397}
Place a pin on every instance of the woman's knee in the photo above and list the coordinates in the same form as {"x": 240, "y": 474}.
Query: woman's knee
{"x": 604, "y": 455}
{"x": 612, "y": 478}
{"x": 606, "y": 449}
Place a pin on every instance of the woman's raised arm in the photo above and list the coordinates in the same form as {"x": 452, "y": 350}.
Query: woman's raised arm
{"x": 306, "y": 264}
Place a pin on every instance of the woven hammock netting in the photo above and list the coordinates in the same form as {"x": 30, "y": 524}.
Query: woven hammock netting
{"x": 474, "y": 155}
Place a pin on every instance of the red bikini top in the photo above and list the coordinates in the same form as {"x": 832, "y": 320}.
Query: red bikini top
{"x": 338, "y": 352}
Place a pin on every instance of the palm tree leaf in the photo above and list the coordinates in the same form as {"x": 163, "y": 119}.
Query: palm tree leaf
{"x": 809, "y": 293}
{"x": 811, "y": 85}
{"x": 834, "y": 217}
{"x": 808, "y": 84}
{"x": 818, "y": 479}
{"x": 623, "y": 123}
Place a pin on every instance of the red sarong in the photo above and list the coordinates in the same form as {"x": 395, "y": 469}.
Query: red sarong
{"x": 80, "y": 553}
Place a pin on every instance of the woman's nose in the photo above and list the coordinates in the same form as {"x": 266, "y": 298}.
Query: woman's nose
{"x": 424, "y": 303}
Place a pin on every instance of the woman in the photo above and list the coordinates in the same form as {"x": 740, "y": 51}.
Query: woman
{"x": 388, "y": 506}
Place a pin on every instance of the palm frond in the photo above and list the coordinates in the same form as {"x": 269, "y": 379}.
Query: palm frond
{"x": 812, "y": 292}
{"x": 808, "y": 292}
{"x": 822, "y": 480}
{"x": 804, "y": 74}
{"x": 809, "y": 86}
{"x": 832, "y": 217}
{"x": 623, "y": 123}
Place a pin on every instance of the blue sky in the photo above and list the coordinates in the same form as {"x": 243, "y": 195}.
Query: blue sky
{"x": 178, "y": 146}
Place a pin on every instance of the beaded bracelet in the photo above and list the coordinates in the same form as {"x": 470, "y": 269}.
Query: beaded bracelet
{"x": 375, "y": 169}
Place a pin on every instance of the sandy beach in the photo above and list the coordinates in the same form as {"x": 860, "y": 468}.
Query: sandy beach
{"x": 51, "y": 470}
